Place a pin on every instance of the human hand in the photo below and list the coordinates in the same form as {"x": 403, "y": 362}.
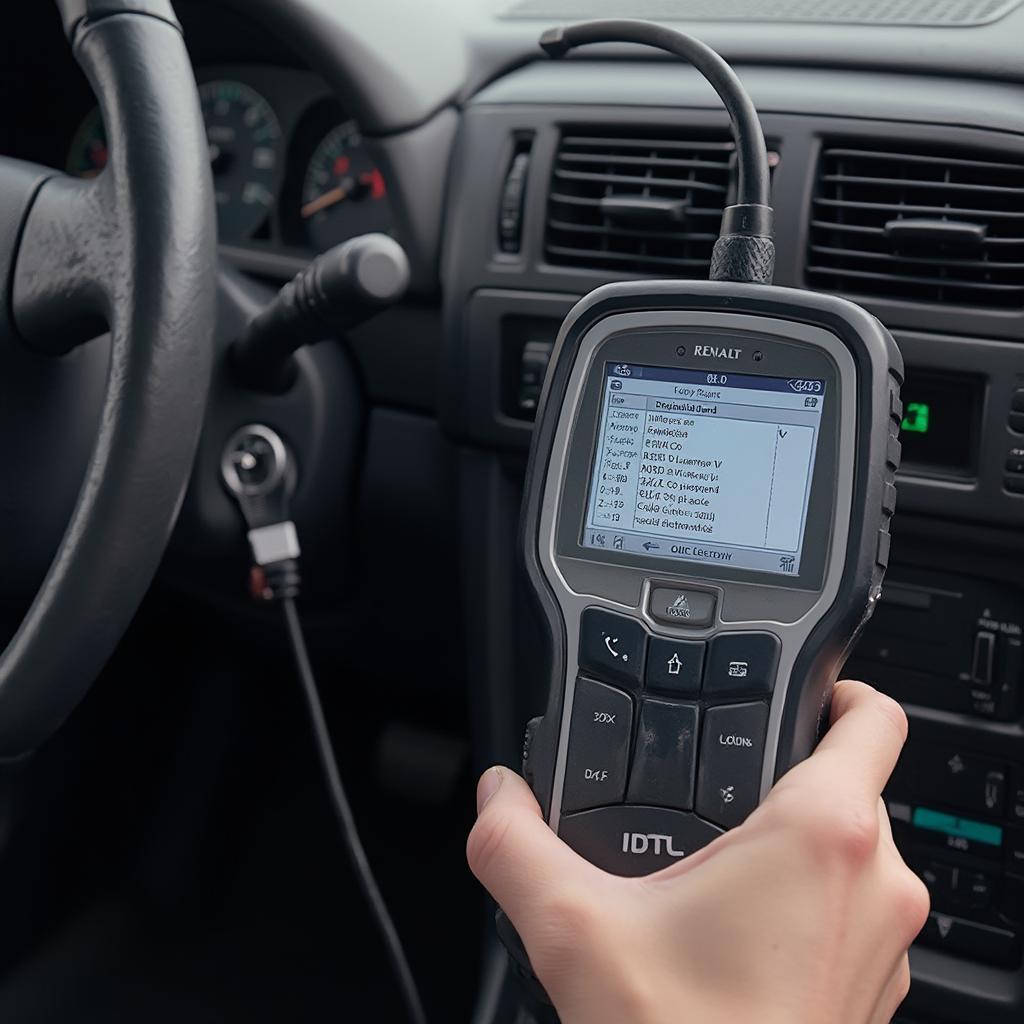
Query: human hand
{"x": 801, "y": 915}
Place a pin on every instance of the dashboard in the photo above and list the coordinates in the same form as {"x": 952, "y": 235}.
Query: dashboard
{"x": 491, "y": 166}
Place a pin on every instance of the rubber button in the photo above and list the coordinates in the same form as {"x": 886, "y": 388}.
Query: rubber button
{"x": 633, "y": 840}
{"x": 612, "y": 646}
{"x": 665, "y": 761}
{"x": 732, "y": 750}
{"x": 742, "y": 663}
{"x": 677, "y": 607}
{"x": 1017, "y": 422}
{"x": 675, "y": 666}
{"x": 598, "y": 756}
{"x": 1017, "y": 400}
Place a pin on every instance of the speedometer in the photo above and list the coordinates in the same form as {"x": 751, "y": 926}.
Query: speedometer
{"x": 244, "y": 138}
{"x": 343, "y": 192}
{"x": 244, "y": 141}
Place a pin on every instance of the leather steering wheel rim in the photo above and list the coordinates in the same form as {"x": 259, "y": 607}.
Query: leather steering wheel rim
{"x": 133, "y": 250}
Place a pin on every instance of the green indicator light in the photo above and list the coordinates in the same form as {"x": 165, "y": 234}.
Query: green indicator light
{"x": 962, "y": 828}
{"x": 916, "y": 419}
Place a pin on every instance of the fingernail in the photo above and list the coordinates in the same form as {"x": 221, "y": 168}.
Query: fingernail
{"x": 489, "y": 784}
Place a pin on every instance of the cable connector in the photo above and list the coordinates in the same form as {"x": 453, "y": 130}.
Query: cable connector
{"x": 260, "y": 475}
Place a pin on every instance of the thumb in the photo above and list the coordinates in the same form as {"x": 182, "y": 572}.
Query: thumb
{"x": 514, "y": 854}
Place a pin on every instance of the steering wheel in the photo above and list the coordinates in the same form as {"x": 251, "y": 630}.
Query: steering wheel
{"x": 132, "y": 251}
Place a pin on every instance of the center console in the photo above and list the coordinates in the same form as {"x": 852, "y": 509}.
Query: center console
{"x": 946, "y": 637}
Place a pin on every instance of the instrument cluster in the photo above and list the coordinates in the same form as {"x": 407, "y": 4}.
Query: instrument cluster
{"x": 291, "y": 170}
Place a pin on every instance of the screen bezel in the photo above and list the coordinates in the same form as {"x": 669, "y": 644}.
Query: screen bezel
{"x": 672, "y": 348}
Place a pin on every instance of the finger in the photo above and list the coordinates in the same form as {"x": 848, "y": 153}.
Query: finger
{"x": 893, "y": 993}
{"x": 865, "y": 739}
{"x": 513, "y": 852}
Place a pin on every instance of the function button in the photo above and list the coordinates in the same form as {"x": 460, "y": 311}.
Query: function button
{"x": 1014, "y": 484}
{"x": 984, "y": 657}
{"x": 665, "y": 760}
{"x": 941, "y": 880}
{"x": 971, "y": 784}
{"x": 676, "y": 666}
{"x": 893, "y": 450}
{"x": 682, "y": 607}
{"x": 970, "y": 939}
{"x": 635, "y": 840}
{"x": 612, "y": 646}
{"x": 1015, "y": 460}
{"x": 1017, "y": 400}
{"x": 1017, "y": 422}
{"x": 742, "y": 663}
{"x": 598, "y": 756}
{"x": 974, "y": 889}
{"x": 732, "y": 749}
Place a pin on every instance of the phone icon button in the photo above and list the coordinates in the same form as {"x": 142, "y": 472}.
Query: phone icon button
{"x": 612, "y": 647}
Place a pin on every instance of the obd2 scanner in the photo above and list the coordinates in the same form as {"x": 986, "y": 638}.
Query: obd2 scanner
{"x": 706, "y": 526}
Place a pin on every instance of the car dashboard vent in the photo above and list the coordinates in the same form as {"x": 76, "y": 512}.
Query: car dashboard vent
{"x": 634, "y": 202}
{"x": 924, "y": 226}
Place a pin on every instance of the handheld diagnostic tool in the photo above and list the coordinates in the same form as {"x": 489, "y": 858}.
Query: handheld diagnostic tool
{"x": 706, "y": 526}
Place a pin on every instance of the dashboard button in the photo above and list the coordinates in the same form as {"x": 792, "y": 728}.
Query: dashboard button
{"x": 612, "y": 646}
{"x": 946, "y": 775}
{"x": 732, "y": 749}
{"x": 676, "y": 666}
{"x": 970, "y": 939}
{"x": 742, "y": 663}
{"x": 677, "y": 607}
{"x": 975, "y": 889}
{"x": 632, "y": 840}
{"x": 598, "y": 755}
{"x": 984, "y": 657}
{"x": 941, "y": 880}
{"x": 665, "y": 760}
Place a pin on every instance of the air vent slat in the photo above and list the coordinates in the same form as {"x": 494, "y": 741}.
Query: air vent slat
{"x": 624, "y": 143}
{"x": 629, "y": 164}
{"x": 628, "y": 257}
{"x": 888, "y": 209}
{"x": 861, "y": 195}
{"x": 647, "y": 160}
{"x": 911, "y": 158}
{"x": 644, "y": 181}
{"x": 691, "y": 211}
{"x": 917, "y": 261}
{"x": 615, "y": 232}
{"x": 940, "y": 282}
{"x": 945, "y": 186}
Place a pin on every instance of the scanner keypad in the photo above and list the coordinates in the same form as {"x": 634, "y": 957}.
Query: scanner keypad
{"x": 663, "y": 730}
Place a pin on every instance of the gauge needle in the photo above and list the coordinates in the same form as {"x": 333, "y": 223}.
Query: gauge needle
{"x": 329, "y": 198}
